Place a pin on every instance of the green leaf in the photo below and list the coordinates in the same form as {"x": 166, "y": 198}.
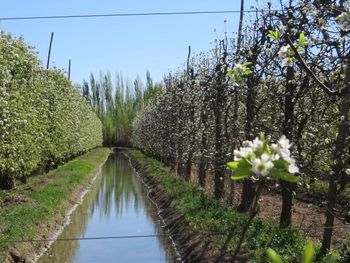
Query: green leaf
{"x": 332, "y": 257}
{"x": 309, "y": 252}
{"x": 265, "y": 148}
{"x": 236, "y": 178}
{"x": 290, "y": 59}
{"x": 274, "y": 34}
{"x": 248, "y": 72}
{"x": 262, "y": 136}
{"x": 302, "y": 41}
{"x": 274, "y": 257}
{"x": 243, "y": 170}
{"x": 287, "y": 177}
{"x": 232, "y": 165}
{"x": 247, "y": 64}
{"x": 229, "y": 73}
{"x": 280, "y": 164}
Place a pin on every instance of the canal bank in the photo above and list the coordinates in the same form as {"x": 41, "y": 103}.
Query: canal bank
{"x": 116, "y": 222}
{"x": 38, "y": 209}
{"x": 118, "y": 212}
{"x": 191, "y": 245}
{"x": 207, "y": 230}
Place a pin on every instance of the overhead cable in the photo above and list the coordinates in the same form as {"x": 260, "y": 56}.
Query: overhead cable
{"x": 132, "y": 14}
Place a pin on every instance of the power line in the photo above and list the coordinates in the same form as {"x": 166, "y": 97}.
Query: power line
{"x": 152, "y": 235}
{"x": 133, "y": 14}
{"x": 106, "y": 237}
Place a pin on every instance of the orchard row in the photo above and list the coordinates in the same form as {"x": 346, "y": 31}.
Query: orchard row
{"x": 44, "y": 120}
{"x": 288, "y": 73}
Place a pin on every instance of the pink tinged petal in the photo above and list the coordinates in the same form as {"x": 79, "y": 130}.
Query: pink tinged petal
{"x": 245, "y": 151}
{"x": 257, "y": 144}
{"x": 265, "y": 158}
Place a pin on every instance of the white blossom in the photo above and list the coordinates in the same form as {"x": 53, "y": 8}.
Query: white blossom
{"x": 242, "y": 153}
{"x": 257, "y": 144}
{"x": 347, "y": 171}
{"x": 262, "y": 165}
{"x": 282, "y": 147}
{"x": 283, "y": 53}
{"x": 344, "y": 17}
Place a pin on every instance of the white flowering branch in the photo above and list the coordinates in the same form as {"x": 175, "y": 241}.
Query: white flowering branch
{"x": 309, "y": 71}
{"x": 238, "y": 72}
{"x": 261, "y": 161}
{"x": 258, "y": 159}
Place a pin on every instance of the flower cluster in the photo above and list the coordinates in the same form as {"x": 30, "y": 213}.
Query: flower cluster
{"x": 286, "y": 54}
{"x": 238, "y": 72}
{"x": 257, "y": 158}
{"x": 347, "y": 171}
{"x": 344, "y": 17}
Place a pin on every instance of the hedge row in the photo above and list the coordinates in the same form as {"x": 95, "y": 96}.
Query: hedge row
{"x": 43, "y": 119}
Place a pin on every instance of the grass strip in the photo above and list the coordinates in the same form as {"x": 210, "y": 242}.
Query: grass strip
{"x": 28, "y": 209}
{"x": 205, "y": 214}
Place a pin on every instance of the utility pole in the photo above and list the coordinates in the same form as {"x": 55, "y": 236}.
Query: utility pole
{"x": 69, "y": 65}
{"x": 49, "y": 54}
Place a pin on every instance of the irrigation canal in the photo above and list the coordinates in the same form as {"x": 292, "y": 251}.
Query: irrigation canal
{"x": 116, "y": 206}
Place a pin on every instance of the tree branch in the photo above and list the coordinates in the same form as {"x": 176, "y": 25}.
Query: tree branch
{"x": 309, "y": 71}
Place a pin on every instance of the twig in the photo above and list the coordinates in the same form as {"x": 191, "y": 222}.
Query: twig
{"x": 309, "y": 71}
{"x": 253, "y": 212}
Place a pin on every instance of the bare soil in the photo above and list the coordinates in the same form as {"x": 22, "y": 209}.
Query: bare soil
{"x": 13, "y": 200}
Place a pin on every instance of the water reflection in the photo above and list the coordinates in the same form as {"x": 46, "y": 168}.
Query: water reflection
{"x": 117, "y": 205}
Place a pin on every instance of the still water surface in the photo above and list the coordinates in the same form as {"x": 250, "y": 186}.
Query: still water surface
{"x": 117, "y": 205}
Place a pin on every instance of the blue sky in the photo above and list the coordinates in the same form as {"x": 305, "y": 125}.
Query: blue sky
{"x": 129, "y": 45}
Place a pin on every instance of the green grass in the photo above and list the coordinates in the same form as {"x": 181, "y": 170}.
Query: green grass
{"x": 45, "y": 195}
{"x": 321, "y": 187}
{"x": 343, "y": 197}
{"x": 204, "y": 214}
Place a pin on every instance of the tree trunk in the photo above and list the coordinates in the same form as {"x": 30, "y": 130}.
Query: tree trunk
{"x": 248, "y": 194}
{"x": 219, "y": 168}
{"x": 338, "y": 159}
{"x": 218, "y": 107}
{"x": 287, "y": 129}
{"x": 218, "y": 162}
{"x": 248, "y": 191}
{"x": 188, "y": 169}
{"x": 202, "y": 173}
{"x": 6, "y": 182}
{"x": 343, "y": 181}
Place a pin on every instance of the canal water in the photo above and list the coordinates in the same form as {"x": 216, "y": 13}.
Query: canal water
{"x": 116, "y": 206}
